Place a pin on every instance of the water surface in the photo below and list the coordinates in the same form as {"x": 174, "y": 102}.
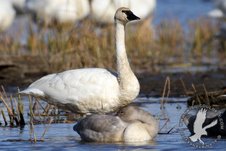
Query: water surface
{"x": 62, "y": 136}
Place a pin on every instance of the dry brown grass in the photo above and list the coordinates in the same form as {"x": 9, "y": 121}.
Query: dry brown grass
{"x": 201, "y": 36}
{"x": 170, "y": 40}
{"x": 89, "y": 45}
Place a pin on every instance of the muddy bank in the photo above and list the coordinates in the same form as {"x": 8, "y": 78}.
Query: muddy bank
{"x": 17, "y": 72}
{"x": 181, "y": 83}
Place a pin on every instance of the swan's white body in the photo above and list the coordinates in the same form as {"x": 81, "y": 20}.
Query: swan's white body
{"x": 7, "y": 14}
{"x": 83, "y": 90}
{"x": 91, "y": 90}
{"x": 220, "y": 10}
{"x": 131, "y": 125}
{"x": 216, "y": 13}
{"x": 103, "y": 10}
{"x": 62, "y": 11}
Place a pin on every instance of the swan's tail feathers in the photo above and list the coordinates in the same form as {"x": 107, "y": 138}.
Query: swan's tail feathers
{"x": 33, "y": 92}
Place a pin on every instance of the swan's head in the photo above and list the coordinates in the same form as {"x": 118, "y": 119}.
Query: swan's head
{"x": 125, "y": 15}
{"x": 129, "y": 113}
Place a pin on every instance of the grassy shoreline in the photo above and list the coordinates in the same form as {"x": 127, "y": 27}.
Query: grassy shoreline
{"x": 88, "y": 44}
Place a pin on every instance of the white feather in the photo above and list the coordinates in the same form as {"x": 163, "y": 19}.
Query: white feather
{"x": 220, "y": 10}
{"x": 7, "y": 14}
{"x": 62, "y": 11}
{"x": 105, "y": 12}
{"x": 81, "y": 87}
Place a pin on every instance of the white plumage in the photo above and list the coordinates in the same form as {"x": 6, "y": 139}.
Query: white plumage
{"x": 92, "y": 89}
{"x": 216, "y": 13}
{"x": 7, "y": 14}
{"x": 83, "y": 90}
{"x": 62, "y": 11}
{"x": 220, "y": 10}
{"x": 103, "y": 10}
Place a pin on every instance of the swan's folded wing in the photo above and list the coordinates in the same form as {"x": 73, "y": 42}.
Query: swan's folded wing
{"x": 102, "y": 128}
{"x": 100, "y": 123}
{"x": 75, "y": 85}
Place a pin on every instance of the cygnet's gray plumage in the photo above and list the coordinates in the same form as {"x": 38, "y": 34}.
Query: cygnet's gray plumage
{"x": 131, "y": 124}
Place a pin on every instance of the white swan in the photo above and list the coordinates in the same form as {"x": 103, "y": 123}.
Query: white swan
{"x": 7, "y": 14}
{"x": 61, "y": 11}
{"x": 131, "y": 124}
{"x": 220, "y": 10}
{"x": 93, "y": 89}
{"x": 104, "y": 10}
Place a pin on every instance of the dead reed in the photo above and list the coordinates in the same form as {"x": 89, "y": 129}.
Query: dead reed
{"x": 214, "y": 99}
{"x": 88, "y": 44}
{"x": 170, "y": 41}
{"x": 15, "y": 109}
{"x": 202, "y": 33}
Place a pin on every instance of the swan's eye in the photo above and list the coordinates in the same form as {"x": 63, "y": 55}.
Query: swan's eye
{"x": 121, "y": 113}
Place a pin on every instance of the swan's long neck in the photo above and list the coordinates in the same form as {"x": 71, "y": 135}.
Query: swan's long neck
{"x": 122, "y": 60}
{"x": 129, "y": 85}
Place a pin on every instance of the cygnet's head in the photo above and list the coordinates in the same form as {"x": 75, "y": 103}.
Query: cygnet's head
{"x": 129, "y": 113}
{"x": 125, "y": 15}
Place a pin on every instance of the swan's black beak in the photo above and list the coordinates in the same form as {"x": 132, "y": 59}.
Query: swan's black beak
{"x": 130, "y": 15}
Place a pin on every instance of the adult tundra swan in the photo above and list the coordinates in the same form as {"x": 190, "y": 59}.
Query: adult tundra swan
{"x": 61, "y": 11}
{"x": 220, "y": 10}
{"x": 103, "y": 11}
{"x": 7, "y": 14}
{"x": 131, "y": 124}
{"x": 91, "y": 90}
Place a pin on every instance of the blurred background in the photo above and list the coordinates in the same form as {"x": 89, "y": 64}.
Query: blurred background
{"x": 38, "y": 37}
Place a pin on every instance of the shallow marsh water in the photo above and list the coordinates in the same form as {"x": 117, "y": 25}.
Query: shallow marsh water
{"x": 62, "y": 136}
